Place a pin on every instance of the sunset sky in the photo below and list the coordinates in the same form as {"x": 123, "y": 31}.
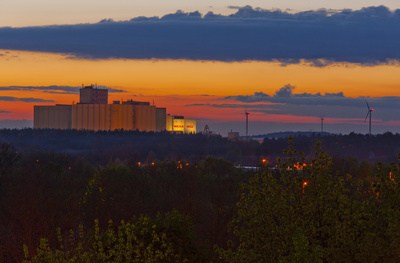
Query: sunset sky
{"x": 288, "y": 63}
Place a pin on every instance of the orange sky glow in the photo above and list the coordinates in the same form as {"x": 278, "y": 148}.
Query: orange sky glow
{"x": 174, "y": 84}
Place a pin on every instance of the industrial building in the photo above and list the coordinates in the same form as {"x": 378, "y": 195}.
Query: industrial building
{"x": 91, "y": 95}
{"x": 180, "y": 124}
{"x": 94, "y": 113}
{"x": 233, "y": 135}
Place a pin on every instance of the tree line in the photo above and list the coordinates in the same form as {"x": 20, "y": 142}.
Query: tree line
{"x": 102, "y": 146}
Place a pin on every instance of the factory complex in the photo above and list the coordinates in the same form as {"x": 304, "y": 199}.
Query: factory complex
{"x": 94, "y": 113}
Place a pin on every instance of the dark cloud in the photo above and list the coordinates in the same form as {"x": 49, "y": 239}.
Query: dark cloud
{"x": 4, "y": 111}
{"x": 330, "y": 105}
{"x": 285, "y": 92}
{"x": 8, "y": 98}
{"x": 286, "y": 95}
{"x": 368, "y": 36}
{"x": 182, "y": 16}
{"x": 55, "y": 89}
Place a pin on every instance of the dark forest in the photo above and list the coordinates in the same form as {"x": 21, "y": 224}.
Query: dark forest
{"x": 78, "y": 196}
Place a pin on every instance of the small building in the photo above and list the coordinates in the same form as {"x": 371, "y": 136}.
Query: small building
{"x": 180, "y": 125}
{"x": 233, "y": 135}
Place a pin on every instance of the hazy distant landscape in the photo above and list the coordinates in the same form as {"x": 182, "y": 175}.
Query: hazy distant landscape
{"x": 148, "y": 146}
{"x": 16, "y": 124}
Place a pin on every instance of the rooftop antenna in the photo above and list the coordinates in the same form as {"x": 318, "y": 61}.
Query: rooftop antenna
{"x": 369, "y": 113}
{"x": 206, "y": 130}
{"x": 247, "y": 123}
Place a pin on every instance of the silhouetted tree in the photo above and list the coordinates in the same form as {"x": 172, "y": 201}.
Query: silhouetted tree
{"x": 311, "y": 214}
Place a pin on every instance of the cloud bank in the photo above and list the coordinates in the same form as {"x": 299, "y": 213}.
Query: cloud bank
{"x": 55, "y": 89}
{"x": 286, "y": 96}
{"x": 9, "y": 98}
{"x": 368, "y": 36}
{"x": 329, "y": 105}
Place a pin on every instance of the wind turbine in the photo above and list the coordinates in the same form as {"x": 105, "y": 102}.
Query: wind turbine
{"x": 247, "y": 122}
{"x": 369, "y": 113}
{"x": 322, "y": 124}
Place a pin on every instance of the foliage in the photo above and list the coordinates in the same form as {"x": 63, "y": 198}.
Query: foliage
{"x": 42, "y": 193}
{"x": 308, "y": 213}
{"x": 143, "y": 239}
{"x": 8, "y": 157}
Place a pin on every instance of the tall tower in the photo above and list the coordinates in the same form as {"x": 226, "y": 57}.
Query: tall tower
{"x": 322, "y": 125}
{"x": 247, "y": 123}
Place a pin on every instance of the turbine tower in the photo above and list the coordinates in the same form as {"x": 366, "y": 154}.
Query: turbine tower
{"x": 247, "y": 123}
{"x": 369, "y": 113}
{"x": 322, "y": 124}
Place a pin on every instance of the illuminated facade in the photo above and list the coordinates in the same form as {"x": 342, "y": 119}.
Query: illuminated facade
{"x": 101, "y": 116}
{"x": 106, "y": 117}
{"x": 54, "y": 117}
{"x": 180, "y": 124}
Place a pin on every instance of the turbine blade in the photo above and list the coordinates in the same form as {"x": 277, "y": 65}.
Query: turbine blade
{"x": 367, "y": 105}
{"x": 369, "y": 112}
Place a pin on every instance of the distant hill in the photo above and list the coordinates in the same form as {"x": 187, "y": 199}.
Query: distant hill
{"x": 16, "y": 124}
{"x": 286, "y": 134}
{"x": 102, "y": 146}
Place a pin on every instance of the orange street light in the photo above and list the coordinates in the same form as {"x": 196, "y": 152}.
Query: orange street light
{"x": 304, "y": 185}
